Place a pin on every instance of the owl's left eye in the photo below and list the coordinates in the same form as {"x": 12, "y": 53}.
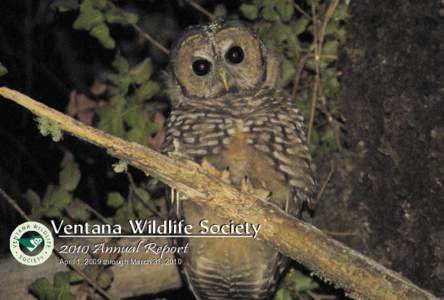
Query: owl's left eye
{"x": 235, "y": 55}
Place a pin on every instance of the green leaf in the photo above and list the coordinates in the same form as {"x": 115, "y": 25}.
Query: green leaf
{"x": 56, "y": 199}
{"x": 341, "y": 12}
{"x": 283, "y": 294}
{"x": 285, "y": 9}
{"x": 284, "y": 36}
{"x": 250, "y": 11}
{"x": 49, "y": 127}
{"x": 111, "y": 117}
{"x": 341, "y": 35}
{"x": 311, "y": 64}
{"x": 331, "y": 86}
{"x": 288, "y": 72}
{"x": 330, "y": 47}
{"x": 152, "y": 128}
{"x": 34, "y": 201}
{"x": 115, "y": 200}
{"x": 143, "y": 195}
{"x": 61, "y": 280}
{"x": 121, "y": 81}
{"x": 332, "y": 28}
{"x": 101, "y": 32}
{"x": 64, "y": 5}
{"x": 89, "y": 17}
{"x": 78, "y": 211}
{"x": 142, "y": 211}
{"x": 220, "y": 11}
{"x": 63, "y": 295}
{"x": 40, "y": 288}
{"x": 141, "y": 72}
{"x": 136, "y": 135}
{"x": 3, "y": 70}
{"x": 299, "y": 281}
{"x": 300, "y": 26}
{"x": 146, "y": 91}
{"x": 105, "y": 279}
{"x": 134, "y": 116}
{"x": 120, "y": 63}
{"x": 268, "y": 11}
{"x": 117, "y": 16}
{"x": 120, "y": 167}
{"x": 69, "y": 176}
{"x": 100, "y": 4}
{"x": 75, "y": 277}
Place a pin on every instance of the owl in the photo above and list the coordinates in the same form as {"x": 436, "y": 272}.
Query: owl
{"x": 228, "y": 112}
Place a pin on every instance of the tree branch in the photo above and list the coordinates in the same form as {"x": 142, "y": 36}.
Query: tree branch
{"x": 360, "y": 276}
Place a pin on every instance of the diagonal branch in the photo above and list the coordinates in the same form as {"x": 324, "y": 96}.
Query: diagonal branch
{"x": 360, "y": 276}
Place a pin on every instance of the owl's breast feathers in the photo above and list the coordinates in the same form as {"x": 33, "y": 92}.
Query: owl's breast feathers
{"x": 259, "y": 135}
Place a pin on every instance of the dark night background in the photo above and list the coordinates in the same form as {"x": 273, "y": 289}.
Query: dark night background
{"x": 385, "y": 196}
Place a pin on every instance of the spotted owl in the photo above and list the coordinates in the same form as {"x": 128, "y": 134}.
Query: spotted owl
{"x": 228, "y": 110}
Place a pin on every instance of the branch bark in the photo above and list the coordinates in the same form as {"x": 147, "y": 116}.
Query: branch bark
{"x": 360, "y": 276}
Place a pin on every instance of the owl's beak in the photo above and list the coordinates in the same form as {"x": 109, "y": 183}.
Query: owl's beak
{"x": 224, "y": 78}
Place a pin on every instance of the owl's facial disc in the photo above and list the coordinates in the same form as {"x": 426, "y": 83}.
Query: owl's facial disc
{"x": 214, "y": 63}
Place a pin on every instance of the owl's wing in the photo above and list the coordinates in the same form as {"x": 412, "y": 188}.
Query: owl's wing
{"x": 289, "y": 155}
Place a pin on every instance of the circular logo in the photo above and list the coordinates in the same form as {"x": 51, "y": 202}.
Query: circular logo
{"x": 31, "y": 243}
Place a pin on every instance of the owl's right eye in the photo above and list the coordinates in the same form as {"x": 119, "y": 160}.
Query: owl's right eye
{"x": 201, "y": 67}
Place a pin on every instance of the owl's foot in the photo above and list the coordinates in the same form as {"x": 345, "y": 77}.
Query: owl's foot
{"x": 176, "y": 153}
{"x": 224, "y": 175}
{"x": 260, "y": 193}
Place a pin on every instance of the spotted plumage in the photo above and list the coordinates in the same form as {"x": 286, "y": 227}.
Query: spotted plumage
{"x": 236, "y": 119}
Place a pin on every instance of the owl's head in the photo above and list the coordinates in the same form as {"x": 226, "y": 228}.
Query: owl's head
{"x": 220, "y": 58}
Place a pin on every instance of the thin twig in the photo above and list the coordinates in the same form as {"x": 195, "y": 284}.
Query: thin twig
{"x": 326, "y": 181}
{"x": 101, "y": 291}
{"x": 151, "y": 39}
{"x": 332, "y": 122}
{"x": 299, "y": 9}
{"x": 144, "y": 34}
{"x": 299, "y": 70}
{"x": 316, "y": 296}
{"x": 318, "y": 42}
{"x": 98, "y": 215}
{"x": 316, "y": 83}
{"x": 200, "y": 8}
{"x": 328, "y": 15}
{"x": 14, "y": 204}
{"x": 345, "y": 233}
{"x": 134, "y": 186}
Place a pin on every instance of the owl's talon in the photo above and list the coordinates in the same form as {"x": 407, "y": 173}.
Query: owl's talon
{"x": 207, "y": 166}
{"x": 226, "y": 175}
{"x": 260, "y": 193}
{"x": 246, "y": 185}
{"x": 176, "y": 151}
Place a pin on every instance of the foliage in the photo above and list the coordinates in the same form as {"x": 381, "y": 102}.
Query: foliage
{"x": 295, "y": 283}
{"x": 291, "y": 34}
{"x": 59, "y": 289}
{"x": 49, "y": 127}
{"x": 3, "y": 70}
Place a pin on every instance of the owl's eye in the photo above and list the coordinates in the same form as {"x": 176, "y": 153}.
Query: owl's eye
{"x": 201, "y": 67}
{"x": 235, "y": 55}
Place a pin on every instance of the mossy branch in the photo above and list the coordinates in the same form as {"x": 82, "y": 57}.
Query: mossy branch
{"x": 360, "y": 276}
